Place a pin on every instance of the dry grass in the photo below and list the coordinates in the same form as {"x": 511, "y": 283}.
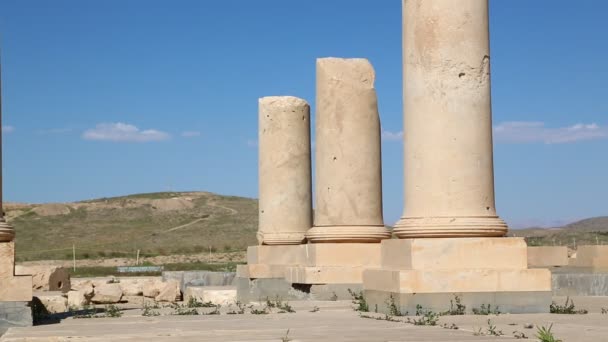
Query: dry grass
{"x": 118, "y": 227}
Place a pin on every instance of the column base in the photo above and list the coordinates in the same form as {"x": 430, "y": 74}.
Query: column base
{"x": 466, "y": 226}
{"x": 12, "y": 288}
{"x": 281, "y": 238}
{"x": 357, "y": 234}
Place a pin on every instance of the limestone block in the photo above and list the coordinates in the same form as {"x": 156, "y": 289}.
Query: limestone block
{"x": 169, "y": 292}
{"x": 260, "y": 271}
{"x": 46, "y": 277}
{"x": 343, "y": 254}
{"x": 277, "y": 255}
{"x": 285, "y": 204}
{"x": 348, "y": 184}
{"x": 80, "y": 283}
{"x": 457, "y": 281}
{"x": 449, "y": 253}
{"x": 591, "y": 256}
{"x": 77, "y": 299}
{"x": 151, "y": 290}
{"x": 222, "y": 295}
{"x": 107, "y": 294}
{"x": 12, "y": 288}
{"x": 54, "y": 301}
{"x": 324, "y": 275}
{"x": 547, "y": 256}
{"x": 134, "y": 286}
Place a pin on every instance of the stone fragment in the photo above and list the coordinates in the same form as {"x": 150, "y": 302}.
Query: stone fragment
{"x": 53, "y": 302}
{"x": 107, "y": 294}
{"x": 46, "y": 277}
{"x": 218, "y": 295}
{"x": 169, "y": 292}
{"x": 77, "y": 299}
{"x": 134, "y": 286}
{"x": 285, "y": 205}
{"x": 152, "y": 289}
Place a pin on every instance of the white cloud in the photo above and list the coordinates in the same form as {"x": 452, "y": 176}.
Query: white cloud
{"x": 8, "y": 129}
{"x": 191, "y": 134}
{"x": 392, "y": 136}
{"x": 121, "y": 132}
{"x": 534, "y": 131}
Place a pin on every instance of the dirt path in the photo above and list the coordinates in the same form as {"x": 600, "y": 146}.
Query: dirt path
{"x": 184, "y": 225}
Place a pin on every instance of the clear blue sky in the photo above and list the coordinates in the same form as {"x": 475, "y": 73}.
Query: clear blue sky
{"x": 103, "y": 98}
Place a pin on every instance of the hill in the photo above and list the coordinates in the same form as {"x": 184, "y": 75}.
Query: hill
{"x": 164, "y": 223}
{"x": 589, "y": 231}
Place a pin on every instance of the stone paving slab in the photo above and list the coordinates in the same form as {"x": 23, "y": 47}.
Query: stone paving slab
{"x": 334, "y": 321}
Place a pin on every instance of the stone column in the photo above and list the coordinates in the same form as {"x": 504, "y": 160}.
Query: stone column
{"x": 7, "y": 233}
{"x": 449, "y": 176}
{"x": 285, "y": 205}
{"x": 348, "y": 179}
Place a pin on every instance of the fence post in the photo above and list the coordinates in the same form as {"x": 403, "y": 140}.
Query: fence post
{"x": 74, "y": 255}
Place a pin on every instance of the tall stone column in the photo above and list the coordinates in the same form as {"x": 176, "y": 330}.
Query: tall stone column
{"x": 449, "y": 176}
{"x": 7, "y": 233}
{"x": 348, "y": 179}
{"x": 285, "y": 204}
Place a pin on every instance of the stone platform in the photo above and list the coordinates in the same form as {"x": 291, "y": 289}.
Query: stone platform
{"x": 431, "y": 272}
{"x": 15, "y": 291}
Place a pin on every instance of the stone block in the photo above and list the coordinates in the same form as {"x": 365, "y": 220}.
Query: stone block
{"x": 277, "y": 255}
{"x": 343, "y": 254}
{"x": 324, "y": 275}
{"x": 457, "y": 281}
{"x": 77, "y": 299}
{"x": 12, "y": 288}
{"x": 547, "y": 256}
{"x": 107, "y": 294}
{"x": 53, "y": 302}
{"x": 249, "y": 290}
{"x": 46, "y": 277}
{"x": 169, "y": 292}
{"x": 449, "y": 253}
{"x": 218, "y": 295}
{"x": 134, "y": 286}
{"x": 15, "y": 314}
{"x": 256, "y": 271}
{"x": 199, "y": 278}
{"x": 591, "y": 256}
{"x": 579, "y": 282}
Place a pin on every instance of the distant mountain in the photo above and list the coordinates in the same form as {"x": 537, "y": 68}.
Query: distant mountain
{"x": 157, "y": 224}
{"x": 588, "y": 231}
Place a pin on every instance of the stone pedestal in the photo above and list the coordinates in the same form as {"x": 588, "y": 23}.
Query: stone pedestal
{"x": 285, "y": 203}
{"x": 348, "y": 184}
{"x": 12, "y": 288}
{"x": 449, "y": 176}
{"x": 591, "y": 257}
{"x": 431, "y": 272}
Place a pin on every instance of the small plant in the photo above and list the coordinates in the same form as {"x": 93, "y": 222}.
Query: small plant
{"x": 315, "y": 309}
{"x": 112, "y": 311}
{"x": 486, "y": 310}
{"x": 452, "y": 326}
{"x": 278, "y": 303}
{"x": 544, "y": 334}
{"x": 240, "y": 309}
{"x": 427, "y": 317}
{"x": 567, "y": 309}
{"x": 359, "y": 301}
{"x": 264, "y": 311}
{"x": 148, "y": 310}
{"x": 456, "y": 307}
{"x": 194, "y": 303}
{"x": 216, "y": 310}
{"x": 604, "y": 311}
{"x": 286, "y": 337}
{"x": 519, "y": 335}
{"x": 334, "y": 297}
{"x": 87, "y": 312}
{"x": 492, "y": 329}
{"x": 393, "y": 309}
{"x": 183, "y": 310}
